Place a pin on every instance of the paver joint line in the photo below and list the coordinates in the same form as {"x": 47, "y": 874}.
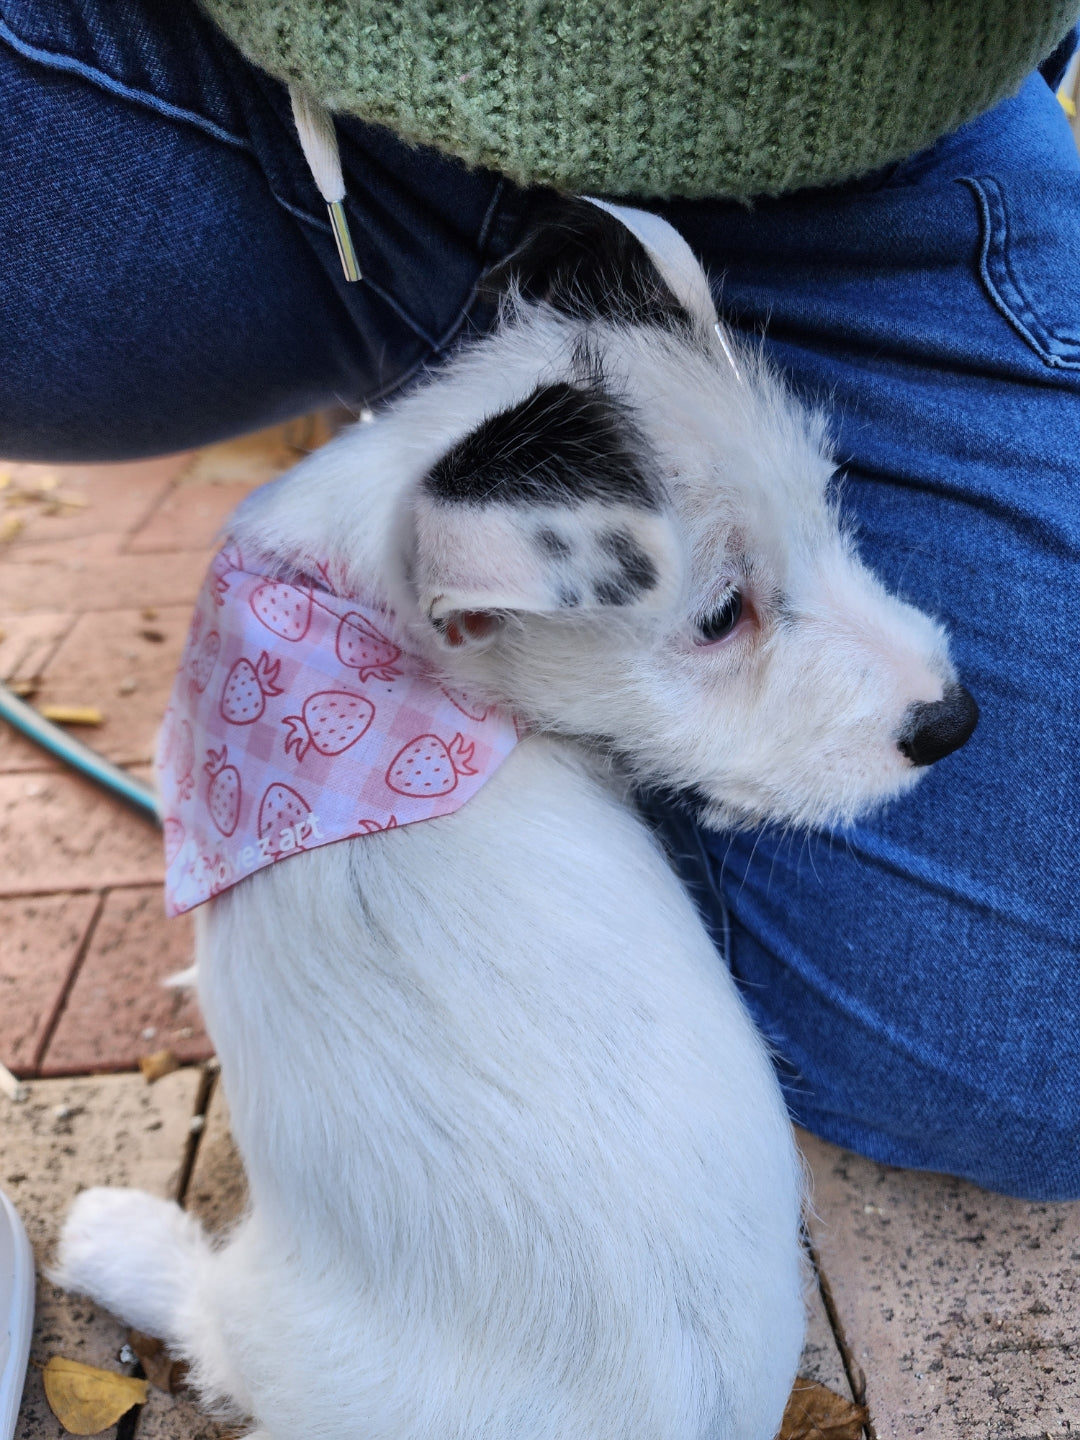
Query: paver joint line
{"x": 73, "y": 974}
{"x": 208, "y": 1083}
{"x": 856, "y": 1377}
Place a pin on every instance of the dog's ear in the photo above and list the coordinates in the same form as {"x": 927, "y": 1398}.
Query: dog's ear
{"x": 590, "y": 258}
{"x": 552, "y": 505}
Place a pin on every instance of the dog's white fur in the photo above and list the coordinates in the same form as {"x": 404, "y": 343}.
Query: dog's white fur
{"x": 518, "y": 1163}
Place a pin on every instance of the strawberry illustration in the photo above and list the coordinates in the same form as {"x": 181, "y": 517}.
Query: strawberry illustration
{"x": 247, "y": 687}
{"x": 282, "y": 811}
{"x": 174, "y": 839}
{"x": 212, "y": 873}
{"x": 225, "y": 561}
{"x": 361, "y": 647}
{"x": 372, "y": 827}
{"x": 282, "y": 608}
{"x": 185, "y": 761}
{"x": 468, "y": 704}
{"x": 428, "y": 767}
{"x": 332, "y": 721}
{"x": 202, "y": 664}
{"x": 224, "y": 792}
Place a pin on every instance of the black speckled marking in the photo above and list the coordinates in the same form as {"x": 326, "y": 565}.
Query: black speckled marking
{"x": 569, "y": 599}
{"x": 612, "y": 591}
{"x": 553, "y": 544}
{"x": 564, "y": 445}
{"x": 638, "y": 571}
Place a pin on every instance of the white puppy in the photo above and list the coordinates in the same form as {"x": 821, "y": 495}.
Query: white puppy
{"x": 518, "y": 1163}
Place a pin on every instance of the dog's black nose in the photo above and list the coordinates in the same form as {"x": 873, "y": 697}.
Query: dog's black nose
{"x": 936, "y": 728}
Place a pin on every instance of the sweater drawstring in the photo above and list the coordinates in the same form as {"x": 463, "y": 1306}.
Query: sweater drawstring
{"x": 318, "y": 140}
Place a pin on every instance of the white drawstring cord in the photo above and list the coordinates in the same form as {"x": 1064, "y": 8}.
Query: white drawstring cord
{"x": 318, "y": 140}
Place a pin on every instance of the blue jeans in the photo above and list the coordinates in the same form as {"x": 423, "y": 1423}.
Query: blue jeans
{"x": 169, "y": 279}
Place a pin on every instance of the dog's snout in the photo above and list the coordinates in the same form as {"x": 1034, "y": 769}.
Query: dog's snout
{"x": 933, "y": 729}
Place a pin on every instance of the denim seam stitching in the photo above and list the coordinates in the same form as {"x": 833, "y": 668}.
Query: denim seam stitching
{"x": 104, "y": 81}
{"x": 1054, "y": 339}
{"x": 1003, "y": 286}
{"x": 365, "y": 280}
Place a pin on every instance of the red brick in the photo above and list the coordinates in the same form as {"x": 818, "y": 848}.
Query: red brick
{"x": 113, "y": 499}
{"x": 104, "y": 655}
{"x": 85, "y": 573}
{"x": 27, "y": 643}
{"x": 118, "y": 994}
{"x": 39, "y": 943}
{"x": 189, "y": 517}
{"x": 59, "y": 831}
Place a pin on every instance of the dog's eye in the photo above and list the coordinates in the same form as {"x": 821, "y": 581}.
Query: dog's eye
{"x": 722, "y": 621}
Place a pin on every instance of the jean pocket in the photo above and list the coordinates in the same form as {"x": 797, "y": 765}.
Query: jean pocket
{"x": 1030, "y": 241}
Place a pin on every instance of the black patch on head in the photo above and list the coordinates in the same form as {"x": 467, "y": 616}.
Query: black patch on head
{"x": 583, "y": 262}
{"x": 564, "y": 445}
{"x": 637, "y": 571}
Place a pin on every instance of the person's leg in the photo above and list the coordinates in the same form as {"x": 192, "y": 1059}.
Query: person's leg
{"x": 168, "y": 274}
{"x": 919, "y": 974}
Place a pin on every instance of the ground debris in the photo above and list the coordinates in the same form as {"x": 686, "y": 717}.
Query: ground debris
{"x": 814, "y": 1412}
{"x": 86, "y": 1400}
{"x": 162, "y": 1371}
{"x": 161, "y": 1062}
{"x": 72, "y": 714}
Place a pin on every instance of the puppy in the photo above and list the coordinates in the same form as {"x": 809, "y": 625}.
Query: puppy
{"x": 518, "y": 1164}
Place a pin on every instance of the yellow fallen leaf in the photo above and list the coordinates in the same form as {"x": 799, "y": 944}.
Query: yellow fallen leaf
{"x": 161, "y": 1062}
{"x": 73, "y": 714}
{"x": 86, "y": 1400}
{"x": 10, "y": 526}
{"x": 814, "y": 1412}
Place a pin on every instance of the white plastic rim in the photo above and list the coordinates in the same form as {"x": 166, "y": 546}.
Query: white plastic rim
{"x": 16, "y": 1313}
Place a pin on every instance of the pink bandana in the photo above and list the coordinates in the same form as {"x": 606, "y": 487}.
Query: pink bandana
{"x": 296, "y": 719}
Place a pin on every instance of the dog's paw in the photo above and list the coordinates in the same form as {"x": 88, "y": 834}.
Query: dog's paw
{"x": 132, "y": 1253}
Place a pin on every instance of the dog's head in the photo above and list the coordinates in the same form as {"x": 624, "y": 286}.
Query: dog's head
{"x": 615, "y": 525}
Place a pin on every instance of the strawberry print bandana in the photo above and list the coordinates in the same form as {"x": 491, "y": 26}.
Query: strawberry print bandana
{"x": 297, "y": 719}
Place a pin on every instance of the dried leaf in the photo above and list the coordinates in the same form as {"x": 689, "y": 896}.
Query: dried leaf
{"x": 10, "y": 526}
{"x": 814, "y": 1412}
{"x": 86, "y": 1400}
{"x": 73, "y": 714}
{"x": 161, "y": 1062}
{"x": 161, "y": 1369}
{"x": 149, "y": 633}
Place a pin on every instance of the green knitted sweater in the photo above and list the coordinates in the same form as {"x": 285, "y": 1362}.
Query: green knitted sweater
{"x": 645, "y": 98}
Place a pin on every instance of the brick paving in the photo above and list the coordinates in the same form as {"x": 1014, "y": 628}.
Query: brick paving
{"x": 97, "y": 576}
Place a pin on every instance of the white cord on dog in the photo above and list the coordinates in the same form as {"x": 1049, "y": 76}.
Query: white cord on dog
{"x": 675, "y": 260}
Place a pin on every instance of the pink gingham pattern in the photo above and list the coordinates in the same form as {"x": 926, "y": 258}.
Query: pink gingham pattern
{"x": 297, "y": 719}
